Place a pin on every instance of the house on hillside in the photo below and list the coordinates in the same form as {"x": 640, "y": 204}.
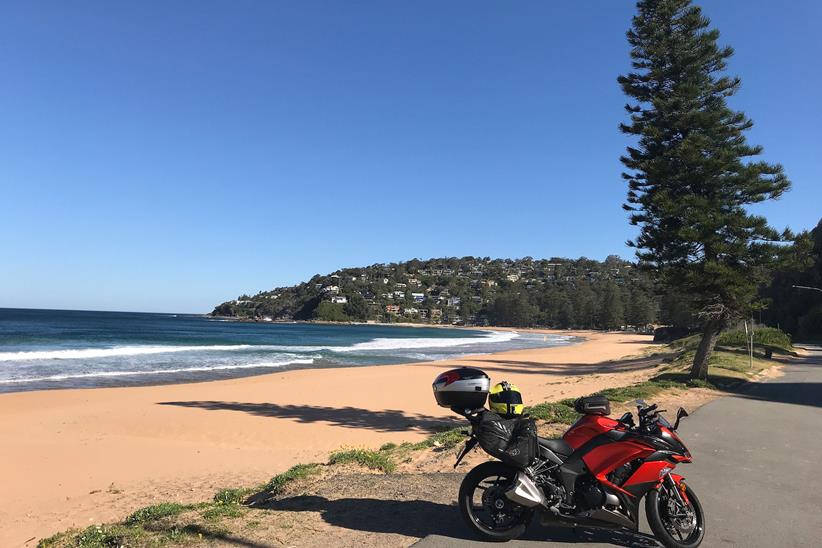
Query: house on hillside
{"x": 392, "y": 308}
{"x": 339, "y": 299}
{"x": 418, "y": 297}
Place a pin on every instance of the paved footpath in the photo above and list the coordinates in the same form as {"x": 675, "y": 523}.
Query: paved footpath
{"x": 757, "y": 469}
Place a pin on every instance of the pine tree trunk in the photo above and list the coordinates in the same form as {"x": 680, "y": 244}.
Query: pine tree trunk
{"x": 710, "y": 334}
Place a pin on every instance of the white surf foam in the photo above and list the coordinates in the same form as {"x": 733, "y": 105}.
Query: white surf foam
{"x": 86, "y": 353}
{"x": 70, "y": 376}
{"x": 428, "y": 342}
{"x": 386, "y": 343}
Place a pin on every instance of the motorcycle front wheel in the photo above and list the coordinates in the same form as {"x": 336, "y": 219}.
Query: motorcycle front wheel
{"x": 486, "y": 509}
{"x": 675, "y": 525}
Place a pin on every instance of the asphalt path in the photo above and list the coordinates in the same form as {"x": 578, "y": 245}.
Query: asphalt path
{"x": 757, "y": 470}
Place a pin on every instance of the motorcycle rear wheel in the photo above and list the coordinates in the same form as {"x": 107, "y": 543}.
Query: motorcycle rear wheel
{"x": 664, "y": 524}
{"x": 495, "y": 518}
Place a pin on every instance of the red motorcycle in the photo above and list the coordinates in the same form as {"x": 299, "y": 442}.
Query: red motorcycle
{"x": 595, "y": 475}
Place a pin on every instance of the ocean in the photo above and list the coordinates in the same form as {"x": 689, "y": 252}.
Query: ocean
{"x": 51, "y": 349}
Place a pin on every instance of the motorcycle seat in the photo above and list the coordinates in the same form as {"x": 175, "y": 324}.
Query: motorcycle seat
{"x": 558, "y": 446}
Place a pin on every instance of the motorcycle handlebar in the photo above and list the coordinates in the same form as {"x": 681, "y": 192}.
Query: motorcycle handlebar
{"x": 648, "y": 409}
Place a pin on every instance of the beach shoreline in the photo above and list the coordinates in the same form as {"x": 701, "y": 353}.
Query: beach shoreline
{"x": 147, "y": 356}
{"x": 75, "y": 457}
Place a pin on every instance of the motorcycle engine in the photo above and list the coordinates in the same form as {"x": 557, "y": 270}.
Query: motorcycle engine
{"x": 618, "y": 476}
{"x": 592, "y": 495}
{"x": 554, "y": 492}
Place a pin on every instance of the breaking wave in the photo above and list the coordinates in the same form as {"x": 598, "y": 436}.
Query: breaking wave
{"x": 71, "y": 376}
{"x": 116, "y": 351}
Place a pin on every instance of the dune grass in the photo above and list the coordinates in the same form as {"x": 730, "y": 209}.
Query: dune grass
{"x": 561, "y": 412}
{"x": 444, "y": 439}
{"x": 157, "y": 511}
{"x": 297, "y": 472}
{"x": 375, "y": 460}
{"x": 157, "y": 525}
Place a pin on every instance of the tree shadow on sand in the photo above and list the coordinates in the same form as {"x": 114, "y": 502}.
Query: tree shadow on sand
{"x": 571, "y": 369}
{"x": 419, "y": 518}
{"x": 390, "y": 420}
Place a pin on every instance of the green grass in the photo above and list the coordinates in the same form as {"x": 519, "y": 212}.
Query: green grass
{"x": 159, "y": 524}
{"x": 641, "y": 390}
{"x": 375, "y": 460}
{"x": 763, "y": 336}
{"x": 561, "y": 412}
{"x": 442, "y": 440}
{"x": 768, "y": 337}
{"x": 119, "y": 534}
{"x": 297, "y": 472}
{"x": 217, "y": 512}
{"x": 157, "y": 511}
{"x": 700, "y": 383}
{"x": 232, "y": 496}
{"x": 95, "y": 536}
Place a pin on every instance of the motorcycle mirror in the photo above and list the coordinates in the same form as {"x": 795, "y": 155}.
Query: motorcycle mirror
{"x": 641, "y": 403}
{"x": 681, "y": 413}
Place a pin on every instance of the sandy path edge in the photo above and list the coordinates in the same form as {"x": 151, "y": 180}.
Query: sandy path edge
{"x": 69, "y": 458}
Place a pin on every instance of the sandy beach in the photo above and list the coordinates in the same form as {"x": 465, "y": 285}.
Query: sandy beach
{"x": 71, "y": 458}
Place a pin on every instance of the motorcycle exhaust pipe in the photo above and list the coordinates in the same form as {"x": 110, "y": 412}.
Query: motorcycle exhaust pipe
{"x": 525, "y": 492}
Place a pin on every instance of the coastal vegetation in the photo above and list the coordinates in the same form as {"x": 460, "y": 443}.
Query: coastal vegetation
{"x": 555, "y": 292}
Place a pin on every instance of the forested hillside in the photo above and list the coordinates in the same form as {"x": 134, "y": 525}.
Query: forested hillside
{"x": 556, "y": 292}
{"x": 564, "y": 293}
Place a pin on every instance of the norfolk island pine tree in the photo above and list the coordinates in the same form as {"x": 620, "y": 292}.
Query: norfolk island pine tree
{"x": 690, "y": 174}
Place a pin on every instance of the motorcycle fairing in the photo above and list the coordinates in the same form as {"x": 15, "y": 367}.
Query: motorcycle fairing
{"x": 587, "y": 428}
{"x": 601, "y": 445}
{"x": 604, "y": 459}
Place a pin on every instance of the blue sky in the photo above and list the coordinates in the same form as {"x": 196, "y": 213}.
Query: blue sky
{"x": 166, "y": 156}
